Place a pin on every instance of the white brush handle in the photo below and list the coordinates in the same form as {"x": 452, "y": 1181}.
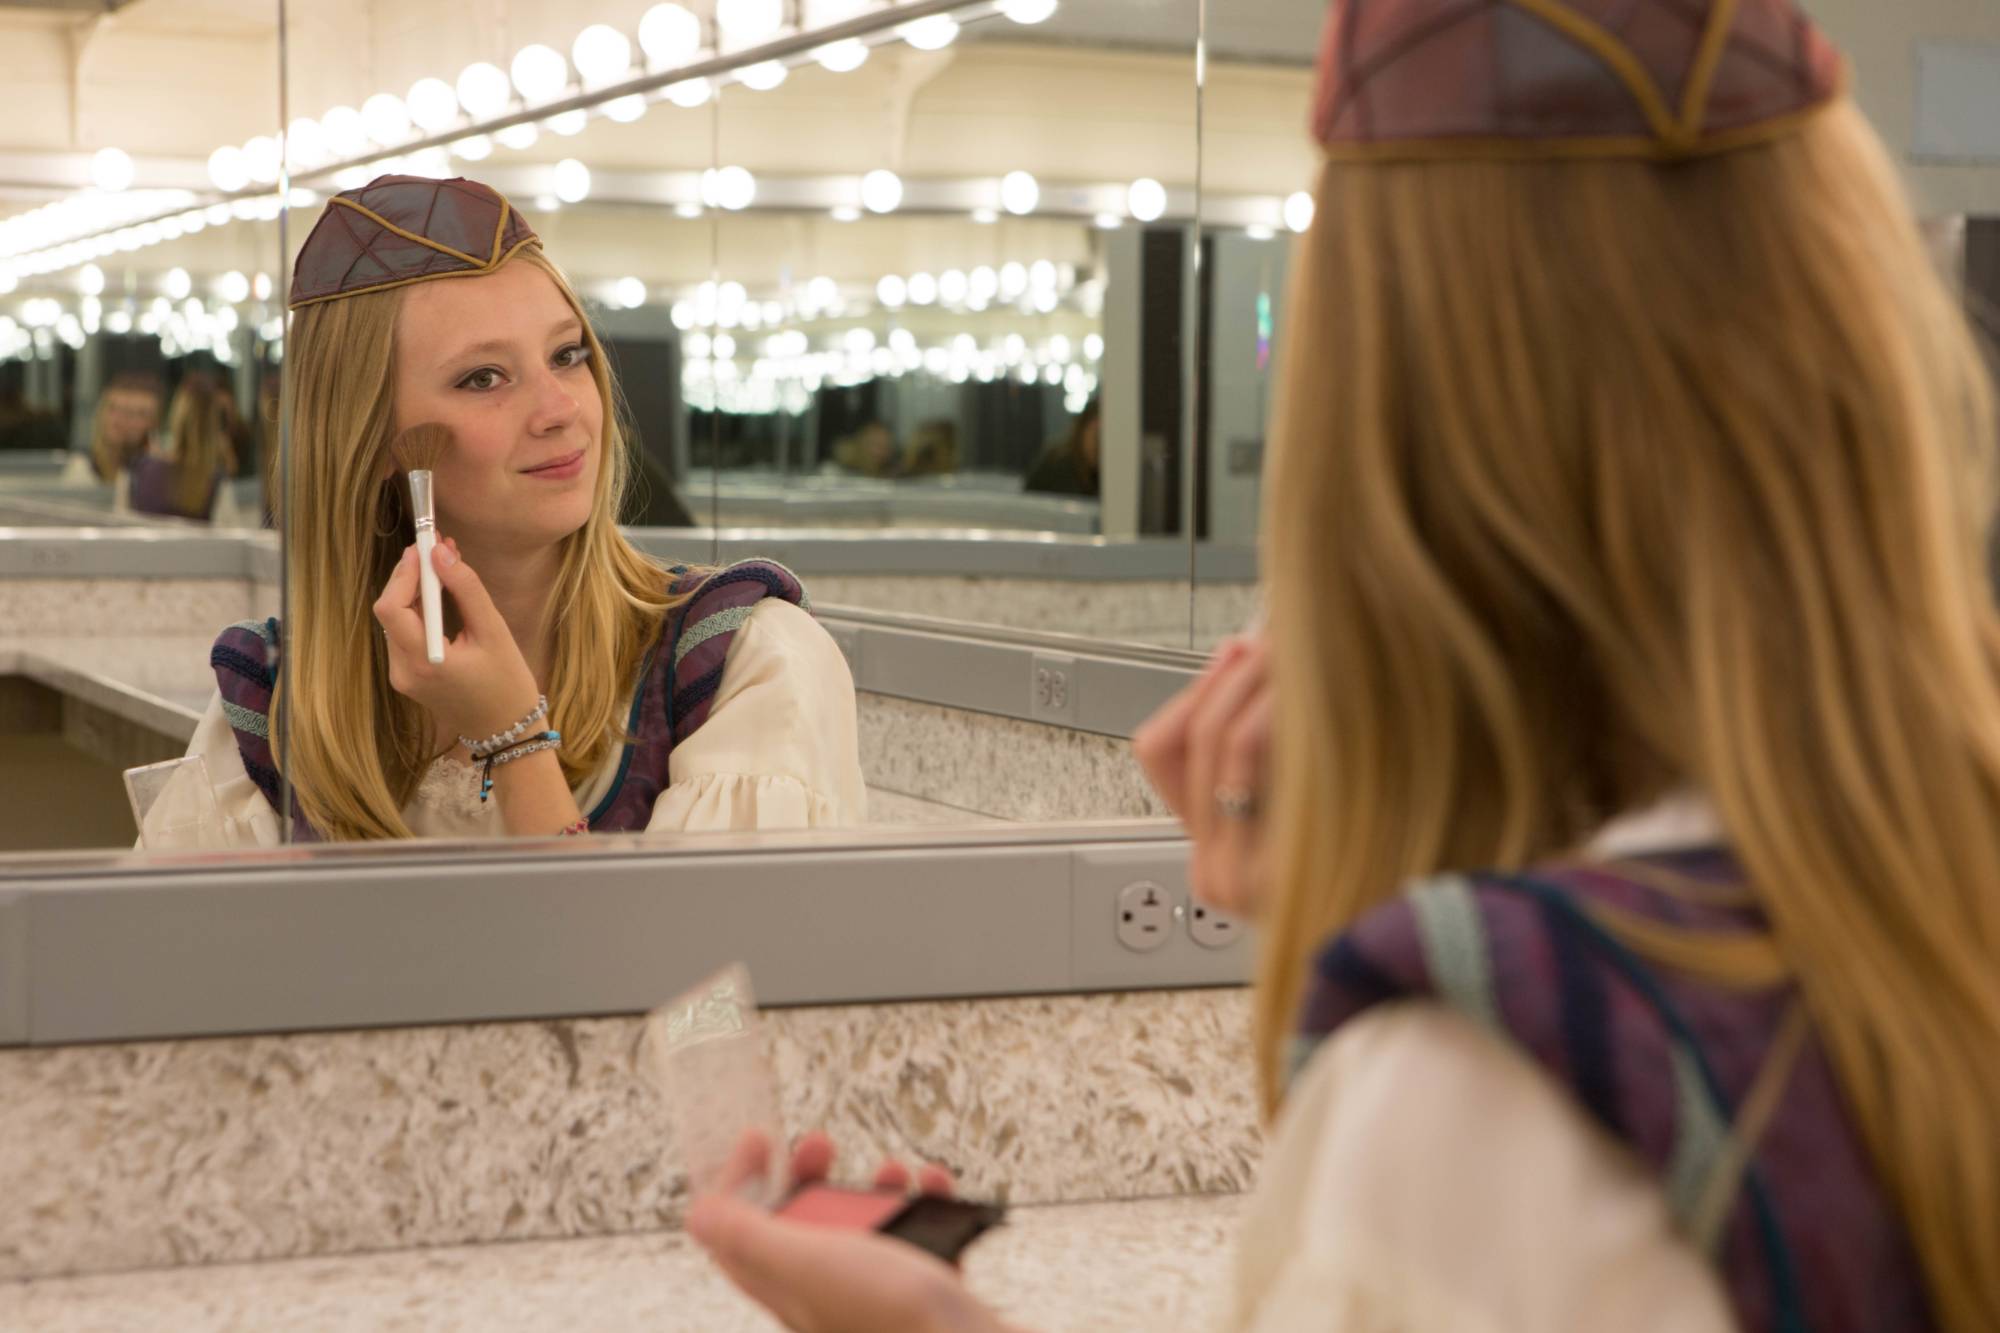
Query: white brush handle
{"x": 427, "y": 580}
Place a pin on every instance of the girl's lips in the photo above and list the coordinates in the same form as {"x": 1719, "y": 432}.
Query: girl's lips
{"x": 562, "y": 469}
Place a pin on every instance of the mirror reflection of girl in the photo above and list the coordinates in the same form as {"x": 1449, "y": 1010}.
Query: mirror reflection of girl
{"x": 690, "y": 699}
{"x": 128, "y": 412}
{"x": 1628, "y": 867}
{"x": 186, "y": 473}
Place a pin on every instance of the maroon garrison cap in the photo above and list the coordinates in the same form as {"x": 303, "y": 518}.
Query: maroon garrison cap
{"x": 397, "y": 230}
{"x": 1661, "y": 80}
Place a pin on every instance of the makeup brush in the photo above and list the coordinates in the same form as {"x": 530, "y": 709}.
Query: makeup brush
{"x": 418, "y": 450}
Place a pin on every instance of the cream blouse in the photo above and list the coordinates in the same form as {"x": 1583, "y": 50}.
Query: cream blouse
{"x": 1425, "y": 1177}
{"x": 779, "y": 750}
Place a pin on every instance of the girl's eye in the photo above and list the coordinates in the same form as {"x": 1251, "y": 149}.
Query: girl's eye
{"x": 572, "y": 356}
{"x": 486, "y": 377}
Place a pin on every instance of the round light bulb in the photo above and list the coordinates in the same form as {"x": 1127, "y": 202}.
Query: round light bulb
{"x": 732, "y": 188}
{"x": 1146, "y": 199}
{"x": 982, "y": 285}
{"x": 483, "y": 90}
{"x": 260, "y": 159}
{"x": 843, "y": 213}
{"x": 228, "y": 170}
{"x": 539, "y": 73}
{"x": 572, "y": 181}
{"x": 518, "y": 137}
{"x": 923, "y": 289}
{"x": 1299, "y": 211}
{"x": 1093, "y": 346}
{"x": 985, "y": 217}
{"x": 345, "y": 135}
{"x": 881, "y": 191}
{"x": 670, "y": 35}
{"x": 119, "y": 321}
{"x": 934, "y": 33}
{"x": 260, "y": 286}
{"x": 842, "y": 57}
{"x": 111, "y": 170}
{"x": 690, "y": 93}
{"x": 763, "y": 76}
{"x": 90, "y": 280}
{"x": 1042, "y": 276}
{"x": 822, "y": 293}
{"x": 1013, "y": 280}
{"x": 627, "y": 109}
{"x": 748, "y": 21}
{"x": 630, "y": 293}
{"x": 232, "y": 287}
{"x": 386, "y": 119}
{"x": 602, "y": 54}
{"x": 177, "y": 284}
{"x": 568, "y": 123}
{"x": 892, "y": 292}
{"x": 473, "y": 148}
{"x": 1019, "y": 193}
{"x": 1029, "y": 12}
{"x": 433, "y": 105}
{"x": 1107, "y": 221}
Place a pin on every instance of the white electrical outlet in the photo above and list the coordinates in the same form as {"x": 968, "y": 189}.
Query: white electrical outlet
{"x": 1052, "y": 688}
{"x": 1212, "y": 929}
{"x": 1146, "y": 915}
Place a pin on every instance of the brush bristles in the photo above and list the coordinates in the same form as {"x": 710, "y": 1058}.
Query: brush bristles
{"x": 419, "y": 448}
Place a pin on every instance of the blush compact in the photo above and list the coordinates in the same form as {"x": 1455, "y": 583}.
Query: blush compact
{"x": 940, "y": 1226}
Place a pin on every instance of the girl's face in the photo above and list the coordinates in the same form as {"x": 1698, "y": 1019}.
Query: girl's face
{"x": 501, "y": 359}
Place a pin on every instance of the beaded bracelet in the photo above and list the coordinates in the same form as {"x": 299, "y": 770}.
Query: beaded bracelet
{"x": 548, "y": 740}
{"x": 500, "y": 740}
{"x": 576, "y": 830}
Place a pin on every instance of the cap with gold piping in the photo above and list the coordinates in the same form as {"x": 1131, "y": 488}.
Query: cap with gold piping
{"x": 1660, "y": 80}
{"x": 397, "y": 230}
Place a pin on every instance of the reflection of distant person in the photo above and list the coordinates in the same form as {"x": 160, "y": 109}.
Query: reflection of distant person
{"x": 128, "y": 412}
{"x": 1069, "y": 466}
{"x": 181, "y": 477}
{"x": 933, "y": 449}
{"x": 871, "y": 451}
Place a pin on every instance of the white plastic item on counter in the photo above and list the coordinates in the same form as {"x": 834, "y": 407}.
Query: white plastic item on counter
{"x": 173, "y": 805}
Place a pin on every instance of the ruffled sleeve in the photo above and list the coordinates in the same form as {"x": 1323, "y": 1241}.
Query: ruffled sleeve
{"x": 779, "y": 749}
{"x": 1426, "y": 1178}
{"x": 247, "y": 818}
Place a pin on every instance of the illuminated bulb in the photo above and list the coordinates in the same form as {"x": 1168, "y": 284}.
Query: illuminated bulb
{"x": 483, "y": 90}
{"x": 260, "y": 159}
{"x": 177, "y": 284}
{"x": 930, "y": 34}
{"x": 572, "y": 181}
{"x": 1046, "y": 301}
{"x": 845, "y": 214}
{"x": 568, "y": 123}
{"x": 1257, "y": 231}
{"x": 923, "y": 289}
{"x": 629, "y": 292}
{"x": 260, "y": 286}
{"x": 1029, "y": 12}
{"x": 746, "y": 22}
{"x": 952, "y": 286}
{"x": 1093, "y": 346}
{"x": 732, "y": 188}
{"x": 690, "y": 93}
{"x": 982, "y": 285}
{"x": 343, "y": 131}
{"x": 232, "y": 287}
{"x": 547, "y": 203}
{"x": 353, "y": 178}
{"x": 119, "y": 321}
{"x": 763, "y": 76}
{"x": 1013, "y": 280}
{"x": 881, "y": 191}
{"x": 433, "y": 105}
{"x": 670, "y": 35}
{"x": 1147, "y": 199}
{"x": 1107, "y": 222}
{"x": 475, "y": 148}
{"x": 822, "y": 293}
{"x": 1019, "y": 193}
{"x": 1299, "y": 211}
{"x": 539, "y": 73}
{"x": 90, "y": 280}
{"x": 1042, "y": 276}
{"x": 892, "y": 292}
{"x": 626, "y": 109}
{"x": 111, "y": 170}
{"x": 518, "y": 137}
{"x": 985, "y": 217}
{"x": 725, "y": 347}
{"x": 432, "y": 162}
{"x": 386, "y": 119}
{"x": 219, "y": 214}
{"x": 698, "y": 346}
{"x": 842, "y": 57}
{"x": 689, "y": 211}
{"x": 602, "y": 54}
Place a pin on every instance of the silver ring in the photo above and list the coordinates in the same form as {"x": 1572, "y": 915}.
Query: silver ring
{"x": 1236, "y": 802}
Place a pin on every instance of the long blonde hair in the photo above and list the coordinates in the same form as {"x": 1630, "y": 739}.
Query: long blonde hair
{"x": 199, "y": 443}
{"x": 1593, "y": 480}
{"x": 109, "y": 457}
{"x": 354, "y": 749}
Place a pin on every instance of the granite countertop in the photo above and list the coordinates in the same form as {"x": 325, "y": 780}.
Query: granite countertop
{"x": 1157, "y": 1265}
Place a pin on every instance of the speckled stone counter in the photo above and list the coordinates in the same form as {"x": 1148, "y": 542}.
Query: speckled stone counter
{"x": 138, "y": 1155}
{"x": 1160, "y": 1266}
{"x": 1155, "y": 612}
{"x": 120, "y": 607}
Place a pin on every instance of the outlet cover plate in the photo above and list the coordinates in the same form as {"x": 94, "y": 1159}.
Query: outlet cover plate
{"x": 1052, "y": 688}
{"x": 1099, "y": 875}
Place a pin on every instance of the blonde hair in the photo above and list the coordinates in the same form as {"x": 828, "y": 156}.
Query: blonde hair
{"x": 198, "y": 443}
{"x": 353, "y": 748}
{"x": 1592, "y": 480}
{"x": 108, "y": 458}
